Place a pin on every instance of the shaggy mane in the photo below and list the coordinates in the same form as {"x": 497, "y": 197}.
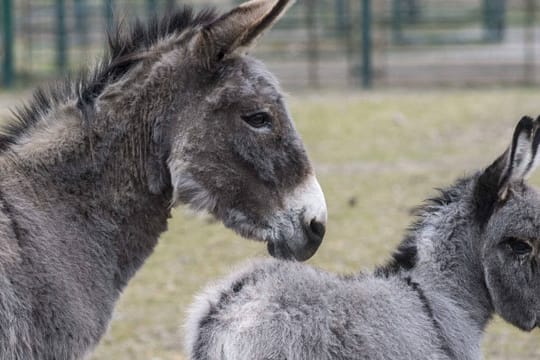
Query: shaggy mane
{"x": 124, "y": 44}
{"x": 404, "y": 257}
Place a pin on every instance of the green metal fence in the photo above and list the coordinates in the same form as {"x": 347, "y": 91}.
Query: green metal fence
{"x": 320, "y": 43}
{"x": 45, "y": 38}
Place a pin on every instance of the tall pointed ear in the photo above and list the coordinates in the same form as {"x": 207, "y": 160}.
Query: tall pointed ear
{"x": 239, "y": 28}
{"x": 515, "y": 165}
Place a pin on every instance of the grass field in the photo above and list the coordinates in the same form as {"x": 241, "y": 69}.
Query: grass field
{"x": 377, "y": 156}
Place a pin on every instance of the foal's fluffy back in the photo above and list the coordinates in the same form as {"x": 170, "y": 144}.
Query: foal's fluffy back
{"x": 274, "y": 310}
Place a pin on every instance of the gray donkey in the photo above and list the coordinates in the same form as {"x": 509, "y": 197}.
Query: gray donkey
{"x": 474, "y": 251}
{"x": 176, "y": 113}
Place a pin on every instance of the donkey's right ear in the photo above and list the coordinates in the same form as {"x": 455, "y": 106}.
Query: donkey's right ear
{"x": 238, "y": 29}
{"x": 515, "y": 165}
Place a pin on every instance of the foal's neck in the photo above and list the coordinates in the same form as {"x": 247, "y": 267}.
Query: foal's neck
{"x": 97, "y": 166}
{"x": 449, "y": 274}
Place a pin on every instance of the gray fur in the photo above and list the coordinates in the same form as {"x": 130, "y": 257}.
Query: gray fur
{"x": 89, "y": 170}
{"x": 465, "y": 259}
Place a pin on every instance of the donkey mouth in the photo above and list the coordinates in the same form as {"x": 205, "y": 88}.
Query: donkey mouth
{"x": 284, "y": 252}
{"x": 279, "y": 252}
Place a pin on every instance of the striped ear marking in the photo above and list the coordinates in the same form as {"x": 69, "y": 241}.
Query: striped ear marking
{"x": 522, "y": 156}
{"x": 514, "y": 165}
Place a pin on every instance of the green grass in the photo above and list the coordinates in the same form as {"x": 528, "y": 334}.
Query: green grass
{"x": 377, "y": 156}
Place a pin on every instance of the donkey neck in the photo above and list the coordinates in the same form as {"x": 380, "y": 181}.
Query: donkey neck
{"x": 458, "y": 303}
{"x": 99, "y": 169}
{"x": 449, "y": 273}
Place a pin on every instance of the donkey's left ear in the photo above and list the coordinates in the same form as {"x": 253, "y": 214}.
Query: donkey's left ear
{"x": 515, "y": 165}
{"x": 240, "y": 27}
{"x": 522, "y": 156}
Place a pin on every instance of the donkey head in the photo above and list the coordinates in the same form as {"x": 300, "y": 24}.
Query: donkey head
{"x": 509, "y": 211}
{"x": 234, "y": 151}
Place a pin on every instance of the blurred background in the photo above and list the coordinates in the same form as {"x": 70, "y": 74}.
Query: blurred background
{"x": 392, "y": 98}
{"x": 320, "y": 43}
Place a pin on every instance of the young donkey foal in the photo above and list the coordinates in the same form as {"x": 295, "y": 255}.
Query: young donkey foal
{"x": 473, "y": 252}
{"x": 176, "y": 113}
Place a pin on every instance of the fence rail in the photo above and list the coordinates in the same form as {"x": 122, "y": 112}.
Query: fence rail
{"x": 319, "y": 43}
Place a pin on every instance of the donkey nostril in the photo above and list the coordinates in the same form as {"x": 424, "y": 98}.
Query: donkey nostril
{"x": 317, "y": 228}
{"x": 313, "y": 236}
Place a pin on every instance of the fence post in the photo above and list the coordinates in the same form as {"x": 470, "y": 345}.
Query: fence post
{"x": 529, "y": 61}
{"x": 313, "y": 43}
{"x": 109, "y": 14}
{"x": 397, "y": 14}
{"x": 341, "y": 22}
{"x": 367, "y": 65}
{"x": 26, "y": 35}
{"x": 486, "y": 14}
{"x": 151, "y": 7}
{"x": 494, "y": 19}
{"x": 500, "y": 23}
{"x": 8, "y": 73}
{"x": 61, "y": 35}
{"x": 81, "y": 24}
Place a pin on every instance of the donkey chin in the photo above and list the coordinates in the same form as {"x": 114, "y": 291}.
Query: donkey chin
{"x": 288, "y": 234}
{"x": 296, "y": 231}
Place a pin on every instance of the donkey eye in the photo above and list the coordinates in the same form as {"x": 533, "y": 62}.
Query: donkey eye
{"x": 258, "y": 120}
{"x": 519, "y": 247}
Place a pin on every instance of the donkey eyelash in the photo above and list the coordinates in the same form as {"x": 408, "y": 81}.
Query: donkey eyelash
{"x": 259, "y": 119}
{"x": 518, "y": 246}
